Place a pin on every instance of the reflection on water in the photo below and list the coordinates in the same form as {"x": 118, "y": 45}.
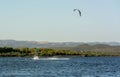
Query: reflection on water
{"x": 70, "y": 67}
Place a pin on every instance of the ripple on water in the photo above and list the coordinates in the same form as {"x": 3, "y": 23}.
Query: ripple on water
{"x": 74, "y": 67}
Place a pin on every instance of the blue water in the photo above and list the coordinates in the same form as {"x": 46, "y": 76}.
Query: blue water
{"x": 73, "y": 67}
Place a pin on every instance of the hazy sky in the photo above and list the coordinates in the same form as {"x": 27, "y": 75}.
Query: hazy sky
{"x": 55, "y": 21}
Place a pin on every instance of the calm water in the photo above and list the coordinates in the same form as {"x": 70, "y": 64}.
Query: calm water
{"x": 74, "y": 67}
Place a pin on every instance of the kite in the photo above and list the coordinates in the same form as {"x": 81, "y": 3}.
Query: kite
{"x": 78, "y": 11}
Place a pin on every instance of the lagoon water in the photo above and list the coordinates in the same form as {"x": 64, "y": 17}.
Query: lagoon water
{"x": 72, "y": 67}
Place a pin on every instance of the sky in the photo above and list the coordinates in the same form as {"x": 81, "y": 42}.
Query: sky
{"x": 55, "y": 20}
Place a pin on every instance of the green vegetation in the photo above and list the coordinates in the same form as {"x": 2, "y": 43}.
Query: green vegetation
{"x": 29, "y": 52}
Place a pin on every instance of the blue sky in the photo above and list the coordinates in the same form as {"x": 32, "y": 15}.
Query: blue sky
{"x": 55, "y": 21}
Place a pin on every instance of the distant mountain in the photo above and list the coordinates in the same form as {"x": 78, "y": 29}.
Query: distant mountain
{"x": 93, "y": 48}
{"x": 32, "y": 44}
{"x": 107, "y": 43}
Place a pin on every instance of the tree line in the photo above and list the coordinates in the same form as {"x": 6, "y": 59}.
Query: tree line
{"x": 29, "y": 52}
